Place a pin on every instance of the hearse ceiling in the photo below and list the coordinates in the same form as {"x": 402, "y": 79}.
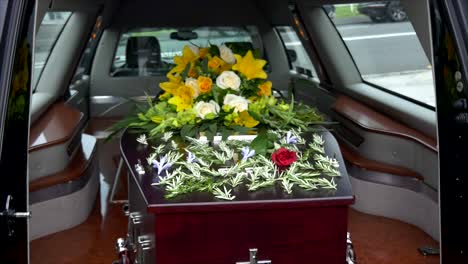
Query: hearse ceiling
{"x": 199, "y": 13}
{"x": 83, "y": 4}
{"x": 189, "y": 13}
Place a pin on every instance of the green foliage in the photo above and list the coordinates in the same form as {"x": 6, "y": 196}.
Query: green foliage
{"x": 186, "y": 71}
{"x": 250, "y": 107}
{"x": 242, "y": 48}
{"x": 220, "y": 170}
{"x": 214, "y": 50}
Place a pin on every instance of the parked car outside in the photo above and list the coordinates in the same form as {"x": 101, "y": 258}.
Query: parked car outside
{"x": 383, "y": 11}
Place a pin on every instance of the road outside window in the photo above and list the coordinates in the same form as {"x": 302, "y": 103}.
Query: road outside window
{"x": 46, "y": 37}
{"x": 298, "y": 58}
{"x": 386, "y": 49}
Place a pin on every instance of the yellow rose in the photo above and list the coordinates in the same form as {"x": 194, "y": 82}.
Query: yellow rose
{"x": 204, "y": 84}
{"x": 265, "y": 89}
{"x": 216, "y": 63}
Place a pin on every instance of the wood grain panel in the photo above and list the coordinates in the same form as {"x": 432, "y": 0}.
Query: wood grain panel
{"x": 56, "y": 126}
{"x": 360, "y": 161}
{"x": 308, "y": 235}
{"x": 371, "y": 120}
{"x": 376, "y": 239}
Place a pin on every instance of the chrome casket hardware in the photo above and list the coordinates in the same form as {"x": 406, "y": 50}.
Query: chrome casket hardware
{"x": 144, "y": 249}
{"x": 253, "y": 258}
{"x": 144, "y": 242}
{"x": 135, "y": 220}
{"x": 135, "y": 217}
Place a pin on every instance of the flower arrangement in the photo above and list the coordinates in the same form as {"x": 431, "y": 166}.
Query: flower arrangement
{"x": 289, "y": 161}
{"x": 218, "y": 90}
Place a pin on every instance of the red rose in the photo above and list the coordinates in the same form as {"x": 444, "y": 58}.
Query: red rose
{"x": 283, "y": 157}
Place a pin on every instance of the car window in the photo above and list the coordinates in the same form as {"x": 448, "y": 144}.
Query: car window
{"x": 84, "y": 66}
{"x": 150, "y": 51}
{"x": 3, "y": 6}
{"x": 386, "y": 50}
{"x": 299, "y": 60}
{"x": 49, "y": 31}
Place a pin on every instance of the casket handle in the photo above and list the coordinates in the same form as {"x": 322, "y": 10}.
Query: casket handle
{"x": 135, "y": 217}
{"x": 144, "y": 248}
{"x": 144, "y": 242}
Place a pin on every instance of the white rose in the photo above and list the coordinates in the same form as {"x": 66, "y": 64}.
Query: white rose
{"x": 226, "y": 54}
{"x": 193, "y": 83}
{"x": 195, "y": 50}
{"x": 228, "y": 79}
{"x": 204, "y": 108}
{"x": 239, "y": 103}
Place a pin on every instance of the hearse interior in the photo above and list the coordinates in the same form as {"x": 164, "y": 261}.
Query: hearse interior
{"x": 94, "y": 60}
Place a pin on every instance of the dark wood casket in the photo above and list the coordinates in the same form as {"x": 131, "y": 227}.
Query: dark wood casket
{"x": 304, "y": 227}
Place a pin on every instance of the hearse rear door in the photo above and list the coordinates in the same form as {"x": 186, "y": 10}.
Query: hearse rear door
{"x": 16, "y": 42}
{"x": 450, "y": 40}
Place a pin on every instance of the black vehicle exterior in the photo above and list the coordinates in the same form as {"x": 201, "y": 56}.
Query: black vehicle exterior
{"x": 383, "y": 10}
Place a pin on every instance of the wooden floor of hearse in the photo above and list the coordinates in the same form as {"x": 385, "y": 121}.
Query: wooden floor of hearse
{"x": 377, "y": 240}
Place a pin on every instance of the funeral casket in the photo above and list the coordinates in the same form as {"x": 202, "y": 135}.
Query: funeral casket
{"x": 301, "y": 227}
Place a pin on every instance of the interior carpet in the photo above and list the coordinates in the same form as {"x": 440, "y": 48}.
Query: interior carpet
{"x": 376, "y": 240}
{"x": 380, "y": 240}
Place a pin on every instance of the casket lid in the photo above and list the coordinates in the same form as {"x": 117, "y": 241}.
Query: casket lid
{"x": 265, "y": 199}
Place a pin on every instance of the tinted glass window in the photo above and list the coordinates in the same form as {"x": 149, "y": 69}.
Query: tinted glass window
{"x": 84, "y": 66}
{"x": 46, "y": 37}
{"x": 3, "y": 6}
{"x": 298, "y": 58}
{"x": 150, "y": 51}
{"x": 386, "y": 49}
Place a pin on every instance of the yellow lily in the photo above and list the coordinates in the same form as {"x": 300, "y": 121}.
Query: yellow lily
{"x": 172, "y": 85}
{"x": 183, "y": 98}
{"x": 169, "y": 87}
{"x": 165, "y": 96}
{"x": 246, "y": 120}
{"x": 250, "y": 67}
{"x": 181, "y": 61}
